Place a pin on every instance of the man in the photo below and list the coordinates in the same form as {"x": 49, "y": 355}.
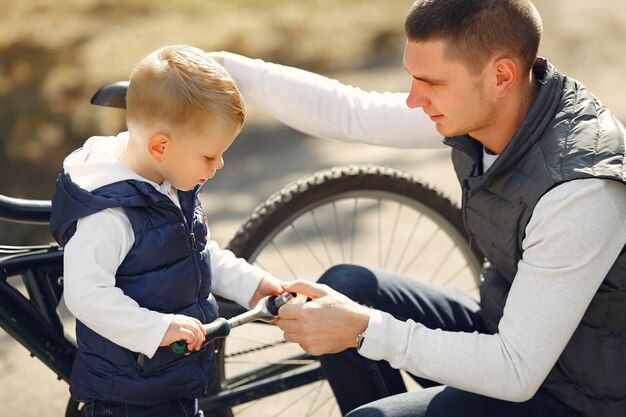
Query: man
{"x": 541, "y": 166}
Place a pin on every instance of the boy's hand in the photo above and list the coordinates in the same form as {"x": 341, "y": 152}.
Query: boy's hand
{"x": 269, "y": 285}
{"x": 185, "y": 328}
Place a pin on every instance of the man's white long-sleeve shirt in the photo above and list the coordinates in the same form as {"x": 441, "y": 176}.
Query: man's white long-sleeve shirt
{"x": 102, "y": 241}
{"x": 574, "y": 236}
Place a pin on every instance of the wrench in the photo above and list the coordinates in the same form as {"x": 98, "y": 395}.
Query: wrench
{"x": 266, "y": 310}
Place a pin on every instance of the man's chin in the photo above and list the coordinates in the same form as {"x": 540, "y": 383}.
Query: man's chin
{"x": 449, "y": 132}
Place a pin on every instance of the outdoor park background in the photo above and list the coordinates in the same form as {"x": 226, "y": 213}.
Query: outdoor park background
{"x": 55, "y": 54}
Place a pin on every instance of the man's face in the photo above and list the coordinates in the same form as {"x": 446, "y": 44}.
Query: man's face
{"x": 457, "y": 101}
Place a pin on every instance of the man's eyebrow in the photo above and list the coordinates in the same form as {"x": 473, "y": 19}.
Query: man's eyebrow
{"x": 427, "y": 80}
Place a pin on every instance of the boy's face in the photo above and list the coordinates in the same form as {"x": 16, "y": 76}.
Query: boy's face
{"x": 193, "y": 158}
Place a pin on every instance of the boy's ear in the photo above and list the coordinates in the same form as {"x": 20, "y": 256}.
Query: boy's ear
{"x": 157, "y": 146}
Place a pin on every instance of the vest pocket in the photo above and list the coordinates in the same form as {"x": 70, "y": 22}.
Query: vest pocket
{"x": 162, "y": 359}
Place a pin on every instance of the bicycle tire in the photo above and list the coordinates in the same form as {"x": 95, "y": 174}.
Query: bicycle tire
{"x": 371, "y": 186}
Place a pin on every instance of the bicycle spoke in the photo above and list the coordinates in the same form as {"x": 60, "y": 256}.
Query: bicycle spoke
{"x": 305, "y": 242}
{"x": 393, "y": 235}
{"x": 288, "y": 407}
{"x": 338, "y": 230}
{"x": 287, "y": 264}
{"x": 408, "y": 242}
{"x": 322, "y": 236}
{"x": 352, "y": 236}
{"x": 319, "y": 404}
{"x": 454, "y": 275}
{"x": 421, "y": 250}
{"x": 379, "y": 233}
{"x": 310, "y": 410}
{"x": 442, "y": 263}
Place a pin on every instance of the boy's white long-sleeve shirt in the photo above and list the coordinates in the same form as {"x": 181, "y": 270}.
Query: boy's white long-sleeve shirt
{"x": 573, "y": 238}
{"x": 102, "y": 241}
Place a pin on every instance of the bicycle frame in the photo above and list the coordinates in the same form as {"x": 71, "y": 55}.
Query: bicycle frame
{"x": 33, "y": 321}
{"x": 261, "y": 382}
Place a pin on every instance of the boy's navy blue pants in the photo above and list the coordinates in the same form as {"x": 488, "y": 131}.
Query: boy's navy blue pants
{"x": 172, "y": 408}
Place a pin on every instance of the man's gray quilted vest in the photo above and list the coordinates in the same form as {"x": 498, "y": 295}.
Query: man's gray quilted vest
{"x": 566, "y": 135}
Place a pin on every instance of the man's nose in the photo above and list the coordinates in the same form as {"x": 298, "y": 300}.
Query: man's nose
{"x": 416, "y": 97}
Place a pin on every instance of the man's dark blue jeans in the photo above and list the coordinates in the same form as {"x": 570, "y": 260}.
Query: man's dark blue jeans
{"x": 378, "y": 390}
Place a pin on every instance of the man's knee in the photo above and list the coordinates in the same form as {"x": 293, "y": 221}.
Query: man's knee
{"x": 356, "y": 282}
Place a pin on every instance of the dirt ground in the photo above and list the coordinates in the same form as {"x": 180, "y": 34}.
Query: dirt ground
{"x": 99, "y": 41}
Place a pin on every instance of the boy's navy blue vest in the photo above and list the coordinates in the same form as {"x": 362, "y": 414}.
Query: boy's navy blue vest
{"x": 167, "y": 270}
{"x": 566, "y": 135}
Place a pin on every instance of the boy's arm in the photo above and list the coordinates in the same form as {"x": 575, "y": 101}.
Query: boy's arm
{"x": 323, "y": 107}
{"x": 235, "y": 279}
{"x": 91, "y": 259}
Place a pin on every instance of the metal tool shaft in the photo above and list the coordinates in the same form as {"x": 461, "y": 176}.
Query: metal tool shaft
{"x": 266, "y": 309}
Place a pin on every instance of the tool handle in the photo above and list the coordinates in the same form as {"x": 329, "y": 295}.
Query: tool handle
{"x": 217, "y": 329}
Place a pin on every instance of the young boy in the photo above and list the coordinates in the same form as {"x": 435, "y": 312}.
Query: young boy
{"x": 139, "y": 262}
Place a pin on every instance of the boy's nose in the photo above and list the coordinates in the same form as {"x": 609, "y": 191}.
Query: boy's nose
{"x": 219, "y": 163}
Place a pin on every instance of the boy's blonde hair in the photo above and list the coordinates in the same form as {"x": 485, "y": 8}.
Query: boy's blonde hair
{"x": 180, "y": 87}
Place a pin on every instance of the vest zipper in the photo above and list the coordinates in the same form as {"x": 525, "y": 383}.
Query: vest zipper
{"x": 464, "y": 199}
{"x": 194, "y": 246}
{"x": 192, "y": 235}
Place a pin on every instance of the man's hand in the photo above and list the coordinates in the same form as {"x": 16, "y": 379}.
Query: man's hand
{"x": 217, "y": 56}
{"x": 185, "y": 328}
{"x": 329, "y": 323}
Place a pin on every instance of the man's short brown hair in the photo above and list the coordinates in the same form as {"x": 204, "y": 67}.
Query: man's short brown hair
{"x": 477, "y": 30}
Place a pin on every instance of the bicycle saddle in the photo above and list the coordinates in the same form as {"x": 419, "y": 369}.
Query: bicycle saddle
{"x": 111, "y": 95}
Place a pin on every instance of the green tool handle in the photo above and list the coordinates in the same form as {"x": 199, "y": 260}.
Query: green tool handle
{"x": 215, "y": 330}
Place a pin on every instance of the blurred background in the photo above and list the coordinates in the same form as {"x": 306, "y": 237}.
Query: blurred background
{"x": 55, "y": 54}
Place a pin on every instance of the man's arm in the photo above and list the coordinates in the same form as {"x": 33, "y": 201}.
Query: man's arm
{"x": 577, "y": 231}
{"x": 323, "y": 107}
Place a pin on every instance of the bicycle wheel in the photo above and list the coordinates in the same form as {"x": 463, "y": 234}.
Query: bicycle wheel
{"x": 367, "y": 215}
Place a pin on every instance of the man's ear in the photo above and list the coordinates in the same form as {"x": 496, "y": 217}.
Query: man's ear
{"x": 157, "y": 146}
{"x": 506, "y": 74}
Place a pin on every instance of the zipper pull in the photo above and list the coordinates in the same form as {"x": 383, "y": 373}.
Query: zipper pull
{"x": 193, "y": 241}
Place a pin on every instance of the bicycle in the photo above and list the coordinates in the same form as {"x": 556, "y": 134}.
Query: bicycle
{"x": 369, "y": 215}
